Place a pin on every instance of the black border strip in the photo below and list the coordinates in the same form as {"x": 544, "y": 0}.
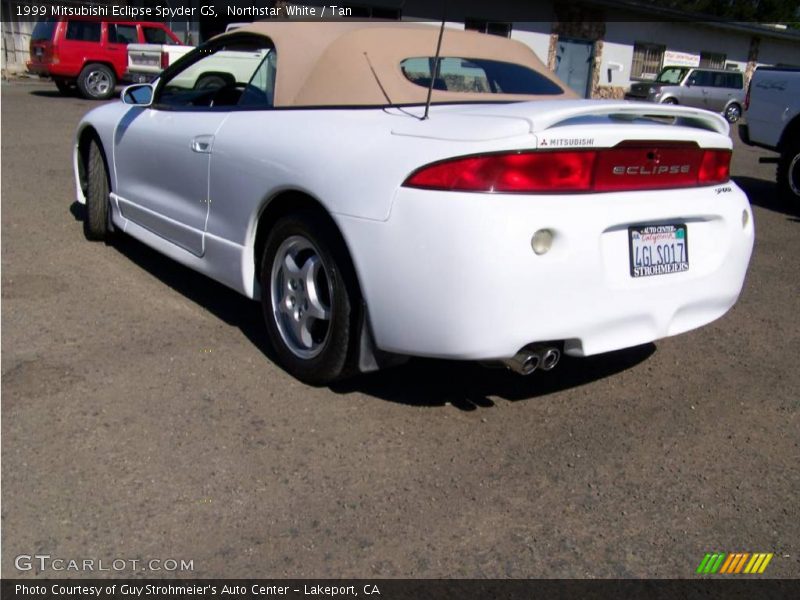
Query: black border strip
{"x": 730, "y": 588}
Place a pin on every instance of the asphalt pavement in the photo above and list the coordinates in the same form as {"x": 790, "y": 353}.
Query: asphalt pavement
{"x": 143, "y": 420}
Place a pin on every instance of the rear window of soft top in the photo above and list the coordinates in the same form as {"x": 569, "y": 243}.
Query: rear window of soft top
{"x": 478, "y": 75}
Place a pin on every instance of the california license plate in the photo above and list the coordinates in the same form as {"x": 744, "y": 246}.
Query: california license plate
{"x": 658, "y": 249}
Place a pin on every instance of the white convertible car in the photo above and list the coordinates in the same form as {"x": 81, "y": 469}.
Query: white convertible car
{"x": 297, "y": 163}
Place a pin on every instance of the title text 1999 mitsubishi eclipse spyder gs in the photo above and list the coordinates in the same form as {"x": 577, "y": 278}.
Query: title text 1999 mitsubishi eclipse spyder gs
{"x": 297, "y": 164}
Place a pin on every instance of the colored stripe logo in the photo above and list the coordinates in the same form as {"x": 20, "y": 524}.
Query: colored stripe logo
{"x": 734, "y": 563}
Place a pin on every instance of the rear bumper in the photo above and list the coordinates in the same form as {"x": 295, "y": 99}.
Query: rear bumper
{"x": 135, "y": 76}
{"x": 38, "y": 69}
{"x": 53, "y": 70}
{"x": 453, "y": 275}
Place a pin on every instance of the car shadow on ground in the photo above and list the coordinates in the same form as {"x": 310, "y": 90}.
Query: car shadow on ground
{"x": 469, "y": 386}
{"x": 419, "y": 382}
{"x": 764, "y": 194}
{"x": 72, "y": 95}
{"x": 50, "y": 94}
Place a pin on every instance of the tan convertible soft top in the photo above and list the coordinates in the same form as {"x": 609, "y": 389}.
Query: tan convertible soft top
{"x": 346, "y": 63}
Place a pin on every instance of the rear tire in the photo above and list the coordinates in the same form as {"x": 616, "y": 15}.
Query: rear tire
{"x": 96, "y": 221}
{"x": 97, "y": 82}
{"x": 670, "y": 101}
{"x": 310, "y": 299}
{"x": 733, "y": 113}
{"x": 210, "y": 82}
{"x": 788, "y": 173}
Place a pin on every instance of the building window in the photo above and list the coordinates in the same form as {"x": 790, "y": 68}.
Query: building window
{"x": 712, "y": 60}
{"x": 492, "y": 27}
{"x": 647, "y": 60}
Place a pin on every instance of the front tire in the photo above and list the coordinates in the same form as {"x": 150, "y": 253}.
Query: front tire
{"x": 309, "y": 298}
{"x": 97, "y": 82}
{"x": 669, "y": 101}
{"x": 96, "y": 220}
{"x": 788, "y": 174}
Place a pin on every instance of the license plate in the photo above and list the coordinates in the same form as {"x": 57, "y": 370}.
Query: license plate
{"x": 658, "y": 249}
{"x": 146, "y": 60}
{"x": 38, "y": 52}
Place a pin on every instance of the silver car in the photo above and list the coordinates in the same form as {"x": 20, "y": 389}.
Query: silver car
{"x": 713, "y": 89}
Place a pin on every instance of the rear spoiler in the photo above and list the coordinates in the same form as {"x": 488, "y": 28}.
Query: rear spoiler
{"x": 547, "y": 114}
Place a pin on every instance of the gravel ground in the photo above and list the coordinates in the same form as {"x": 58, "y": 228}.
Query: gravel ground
{"x": 142, "y": 419}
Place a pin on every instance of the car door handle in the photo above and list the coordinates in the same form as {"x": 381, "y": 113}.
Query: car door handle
{"x": 202, "y": 144}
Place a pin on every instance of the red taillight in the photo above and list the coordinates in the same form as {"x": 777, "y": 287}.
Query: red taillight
{"x": 164, "y": 60}
{"x": 517, "y": 172}
{"x": 715, "y": 168}
{"x": 626, "y": 167}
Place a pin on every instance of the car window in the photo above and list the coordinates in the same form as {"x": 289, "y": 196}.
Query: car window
{"x": 221, "y": 76}
{"x": 478, "y": 75}
{"x": 83, "y": 31}
{"x": 260, "y": 90}
{"x": 700, "y": 78}
{"x": 122, "y": 34}
{"x": 156, "y": 35}
{"x": 735, "y": 81}
{"x": 43, "y": 30}
{"x": 671, "y": 75}
{"x": 719, "y": 79}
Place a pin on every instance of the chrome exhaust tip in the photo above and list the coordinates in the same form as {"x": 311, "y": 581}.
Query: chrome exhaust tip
{"x": 548, "y": 358}
{"x": 534, "y": 356}
{"x": 523, "y": 362}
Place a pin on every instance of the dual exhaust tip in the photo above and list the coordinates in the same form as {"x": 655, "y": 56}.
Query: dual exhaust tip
{"x": 532, "y": 357}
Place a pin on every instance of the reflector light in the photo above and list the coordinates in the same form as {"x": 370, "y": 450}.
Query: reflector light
{"x": 629, "y": 166}
{"x": 164, "y": 60}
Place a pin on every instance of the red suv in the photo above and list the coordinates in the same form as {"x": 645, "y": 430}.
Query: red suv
{"x": 89, "y": 53}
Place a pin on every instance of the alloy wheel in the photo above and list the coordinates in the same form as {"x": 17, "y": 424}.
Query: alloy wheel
{"x": 98, "y": 83}
{"x": 794, "y": 174}
{"x": 732, "y": 113}
{"x": 301, "y": 294}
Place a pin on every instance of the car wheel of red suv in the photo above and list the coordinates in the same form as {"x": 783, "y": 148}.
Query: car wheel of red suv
{"x": 97, "y": 82}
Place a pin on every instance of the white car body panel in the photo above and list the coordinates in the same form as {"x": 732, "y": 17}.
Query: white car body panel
{"x": 164, "y": 185}
{"x": 475, "y": 289}
{"x": 444, "y": 274}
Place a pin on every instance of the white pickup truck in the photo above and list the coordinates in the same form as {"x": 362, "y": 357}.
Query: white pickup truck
{"x": 146, "y": 61}
{"x": 772, "y": 111}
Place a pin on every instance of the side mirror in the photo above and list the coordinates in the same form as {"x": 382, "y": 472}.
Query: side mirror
{"x": 140, "y": 94}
